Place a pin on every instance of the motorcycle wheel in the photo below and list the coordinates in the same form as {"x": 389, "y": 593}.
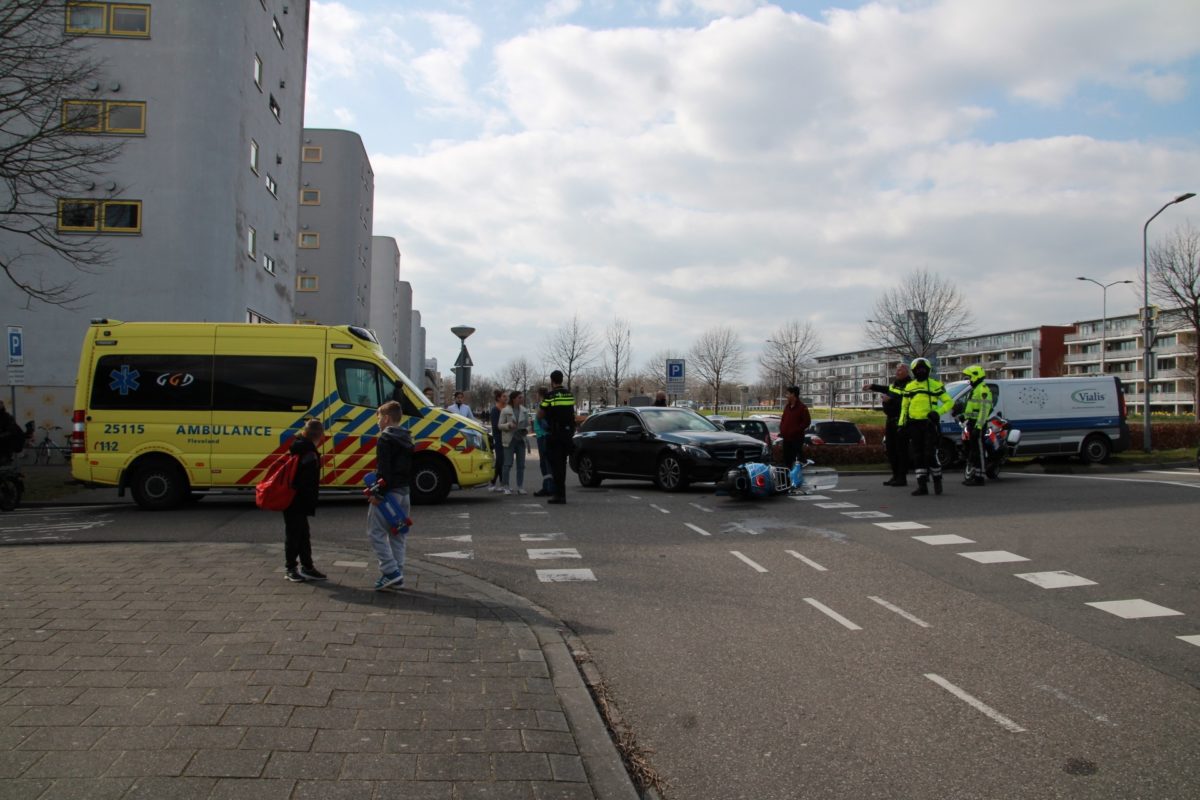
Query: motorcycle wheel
{"x": 993, "y": 470}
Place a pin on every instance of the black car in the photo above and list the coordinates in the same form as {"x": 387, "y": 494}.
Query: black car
{"x": 670, "y": 446}
{"x": 754, "y": 428}
{"x": 833, "y": 431}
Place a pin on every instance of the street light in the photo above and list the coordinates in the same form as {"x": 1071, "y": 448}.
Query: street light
{"x": 1104, "y": 315}
{"x": 462, "y": 366}
{"x": 1147, "y": 343}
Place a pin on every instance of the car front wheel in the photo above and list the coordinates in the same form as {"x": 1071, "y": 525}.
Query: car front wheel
{"x": 587, "y": 472}
{"x": 670, "y": 475}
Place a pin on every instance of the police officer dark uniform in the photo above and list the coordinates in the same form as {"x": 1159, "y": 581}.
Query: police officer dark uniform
{"x": 557, "y": 412}
{"x": 897, "y": 444}
{"x": 923, "y": 401}
{"x": 976, "y": 411}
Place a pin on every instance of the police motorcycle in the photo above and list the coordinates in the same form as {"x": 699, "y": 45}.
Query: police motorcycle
{"x": 999, "y": 443}
{"x": 755, "y": 480}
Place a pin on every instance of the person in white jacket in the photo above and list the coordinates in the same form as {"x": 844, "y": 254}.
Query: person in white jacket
{"x": 515, "y": 424}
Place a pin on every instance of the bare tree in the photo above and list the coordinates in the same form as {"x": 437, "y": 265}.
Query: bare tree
{"x": 618, "y": 355}
{"x": 716, "y": 357}
{"x": 790, "y": 347}
{"x": 518, "y": 374}
{"x": 923, "y": 310}
{"x": 571, "y": 348}
{"x": 46, "y": 155}
{"x": 1175, "y": 282}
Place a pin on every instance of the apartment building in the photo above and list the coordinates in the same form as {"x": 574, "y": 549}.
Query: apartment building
{"x": 1026, "y": 353}
{"x": 838, "y": 379}
{"x": 333, "y": 242}
{"x": 198, "y": 213}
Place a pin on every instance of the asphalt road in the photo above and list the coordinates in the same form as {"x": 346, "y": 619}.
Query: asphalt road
{"x": 796, "y": 648}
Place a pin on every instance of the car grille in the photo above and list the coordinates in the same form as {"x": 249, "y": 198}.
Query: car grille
{"x": 735, "y": 454}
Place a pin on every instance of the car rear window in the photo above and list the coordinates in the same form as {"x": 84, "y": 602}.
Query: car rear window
{"x": 838, "y": 432}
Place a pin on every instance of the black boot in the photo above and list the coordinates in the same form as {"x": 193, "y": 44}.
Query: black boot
{"x": 937, "y": 484}
{"x": 922, "y": 487}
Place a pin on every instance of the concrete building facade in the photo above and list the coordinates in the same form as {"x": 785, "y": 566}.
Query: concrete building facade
{"x": 333, "y": 243}
{"x": 1026, "y": 353}
{"x": 386, "y": 315}
{"x": 207, "y": 180}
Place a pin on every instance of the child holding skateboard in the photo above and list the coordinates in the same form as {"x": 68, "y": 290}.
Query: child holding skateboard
{"x": 393, "y": 467}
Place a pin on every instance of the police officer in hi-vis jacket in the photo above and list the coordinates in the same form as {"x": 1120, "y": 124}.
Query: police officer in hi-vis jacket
{"x": 922, "y": 402}
{"x": 977, "y": 410}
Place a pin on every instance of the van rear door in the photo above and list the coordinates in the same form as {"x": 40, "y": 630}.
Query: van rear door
{"x": 266, "y": 382}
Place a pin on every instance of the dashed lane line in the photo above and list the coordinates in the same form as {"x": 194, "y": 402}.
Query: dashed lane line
{"x": 993, "y": 556}
{"x": 705, "y": 509}
{"x": 866, "y": 515}
{"x": 975, "y": 703}
{"x": 552, "y": 553}
{"x": 898, "y": 610}
{"x": 836, "y": 505}
{"x": 698, "y": 529}
{"x": 901, "y": 526}
{"x": 1059, "y": 579}
{"x": 1193, "y": 639}
{"x": 753, "y": 565}
{"x": 808, "y": 561}
{"x": 1135, "y": 609}
{"x": 809, "y": 496}
{"x": 944, "y": 538}
{"x": 833, "y": 615}
{"x": 542, "y": 537}
{"x": 659, "y": 508}
{"x": 565, "y": 575}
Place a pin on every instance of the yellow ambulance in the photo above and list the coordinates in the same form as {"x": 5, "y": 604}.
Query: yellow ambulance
{"x": 174, "y": 410}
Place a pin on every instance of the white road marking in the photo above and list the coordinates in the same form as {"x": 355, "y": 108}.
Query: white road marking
{"x": 356, "y": 564}
{"x": 808, "y": 561}
{"x": 565, "y": 575}
{"x": 698, "y": 529}
{"x": 552, "y": 553}
{"x": 841, "y": 490}
{"x": 993, "y": 556}
{"x": 836, "y": 505}
{"x": 1059, "y": 579}
{"x": 705, "y": 509}
{"x": 901, "y": 526}
{"x": 1135, "y": 609}
{"x": 659, "y": 508}
{"x": 737, "y": 526}
{"x": 866, "y": 514}
{"x": 944, "y": 538}
{"x": 897, "y": 609}
{"x": 464, "y": 538}
{"x": 527, "y": 513}
{"x": 1193, "y": 639}
{"x": 1179, "y": 471}
{"x": 462, "y": 554}
{"x": 542, "y": 537}
{"x": 463, "y": 515}
{"x": 1122, "y": 480}
{"x": 833, "y": 615}
{"x": 1076, "y": 704}
{"x": 755, "y": 566}
{"x": 978, "y": 705}
{"x": 82, "y": 525}
{"x": 809, "y": 497}
{"x": 634, "y": 497}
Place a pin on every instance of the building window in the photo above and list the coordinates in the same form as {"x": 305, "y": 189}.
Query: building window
{"x": 256, "y": 318}
{"x": 312, "y": 155}
{"x": 274, "y": 105}
{"x": 310, "y": 197}
{"x": 252, "y": 243}
{"x": 104, "y": 116}
{"x": 109, "y": 19}
{"x": 268, "y": 264}
{"x": 258, "y": 72}
{"x": 254, "y": 156}
{"x": 100, "y": 216}
{"x": 272, "y": 186}
{"x": 306, "y": 283}
{"x": 275, "y": 26}
{"x": 310, "y": 241}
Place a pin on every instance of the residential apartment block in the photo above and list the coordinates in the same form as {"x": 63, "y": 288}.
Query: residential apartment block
{"x": 1026, "y": 353}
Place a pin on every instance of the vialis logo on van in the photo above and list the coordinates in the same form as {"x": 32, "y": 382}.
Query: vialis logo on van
{"x": 1087, "y": 396}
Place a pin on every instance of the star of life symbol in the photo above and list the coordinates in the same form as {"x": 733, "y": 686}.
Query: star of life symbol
{"x": 124, "y": 380}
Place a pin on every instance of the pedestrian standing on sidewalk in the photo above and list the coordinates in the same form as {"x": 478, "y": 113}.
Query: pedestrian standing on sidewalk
{"x": 540, "y": 432}
{"x": 393, "y": 470}
{"x": 514, "y": 428}
{"x": 792, "y": 426}
{"x": 559, "y": 408}
{"x": 460, "y": 407}
{"x": 501, "y": 400}
{"x": 897, "y": 444}
{"x": 297, "y": 544}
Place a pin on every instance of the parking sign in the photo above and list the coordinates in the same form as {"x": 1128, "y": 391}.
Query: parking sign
{"x": 675, "y": 375}
{"x": 16, "y": 346}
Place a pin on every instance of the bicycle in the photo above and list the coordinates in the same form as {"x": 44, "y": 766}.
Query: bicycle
{"x": 47, "y": 450}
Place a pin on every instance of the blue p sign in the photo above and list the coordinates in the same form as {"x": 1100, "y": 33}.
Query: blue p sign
{"x": 16, "y": 355}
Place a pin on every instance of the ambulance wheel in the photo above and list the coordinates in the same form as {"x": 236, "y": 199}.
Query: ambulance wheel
{"x": 159, "y": 484}
{"x": 430, "y": 480}
{"x": 587, "y": 472}
{"x": 669, "y": 475}
{"x": 1096, "y": 448}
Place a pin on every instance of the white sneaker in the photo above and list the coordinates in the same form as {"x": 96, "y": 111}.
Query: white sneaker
{"x": 520, "y": 491}
{"x": 493, "y": 488}
{"x": 507, "y": 490}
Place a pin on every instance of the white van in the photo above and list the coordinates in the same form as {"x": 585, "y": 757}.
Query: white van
{"x": 1083, "y": 416}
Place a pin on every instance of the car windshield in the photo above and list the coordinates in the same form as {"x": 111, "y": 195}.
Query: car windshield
{"x": 669, "y": 420}
{"x": 957, "y": 388}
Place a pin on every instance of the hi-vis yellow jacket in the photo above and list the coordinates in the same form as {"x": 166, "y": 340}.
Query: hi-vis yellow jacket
{"x": 919, "y": 398}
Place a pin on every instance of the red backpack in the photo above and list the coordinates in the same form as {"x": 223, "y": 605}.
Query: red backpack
{"x": 275, "y": 492}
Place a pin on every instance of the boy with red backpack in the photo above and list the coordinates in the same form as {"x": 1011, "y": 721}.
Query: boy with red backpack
{"x": 307, "y": 483}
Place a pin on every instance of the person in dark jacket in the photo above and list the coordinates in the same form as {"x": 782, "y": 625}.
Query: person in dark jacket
{"x": 393, "y": 471}
{"x": 307, "y": 483}
{"x": 897, "y": 444}
{"x": 557, "y": 412}
{"x": 792, "y": 426}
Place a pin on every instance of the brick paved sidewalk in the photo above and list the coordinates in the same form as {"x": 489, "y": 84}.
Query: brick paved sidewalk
{"x": 196, "y": 671}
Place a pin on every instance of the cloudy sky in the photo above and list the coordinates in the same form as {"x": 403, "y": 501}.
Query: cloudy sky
{"x": 687, "y": 163}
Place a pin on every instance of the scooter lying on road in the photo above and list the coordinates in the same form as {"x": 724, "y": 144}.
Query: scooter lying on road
{"x": 999, "y": 443}
{"x": 753, "y": 479}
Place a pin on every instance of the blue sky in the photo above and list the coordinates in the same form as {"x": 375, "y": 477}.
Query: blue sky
{"x": 686, "y": 163}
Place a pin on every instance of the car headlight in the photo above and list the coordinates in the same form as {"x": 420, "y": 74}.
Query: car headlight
{"x": 472, "y": 438}
{"x": 695, "y": 452}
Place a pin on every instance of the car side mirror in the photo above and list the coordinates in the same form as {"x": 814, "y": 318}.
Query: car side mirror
{"x": 635, "y": 430}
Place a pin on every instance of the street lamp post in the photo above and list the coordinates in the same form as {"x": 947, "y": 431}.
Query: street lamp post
{"x": 1103, "y": 315}
{"x": 1147, "y": 324}
{"x": 462, "y": 366}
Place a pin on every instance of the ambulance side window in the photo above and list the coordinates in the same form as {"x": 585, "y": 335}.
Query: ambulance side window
{"x": 152, "y": 382}
{"x": 264, "y": 383}
{"x": 361, "y": 383}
